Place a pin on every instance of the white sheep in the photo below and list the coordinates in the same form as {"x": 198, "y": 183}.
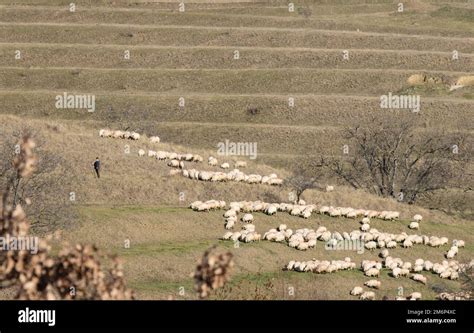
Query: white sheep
{"x": 329, "y": 188}
{"x": 230, "y": 213}
{"x": 240, "y": 164}
{"x": 371, "y": 245}
{"x": 419, "y": 278}
{"x": 396, "y": 272}
{"x": 174, "y": 172}
{"x": 417, "y": 218}
{"x": 365, "y": 227}
{"x": 373, "y": 284}
{"x": 212, "y": 161}
{"x": 453, "y": 251}
{"x": 141, "y": 152}
{"x": 247, "y": 218}
{"x": 428, "y": 265}
{"x": 227, "y": 235}
{"x": 225, "y": 166}
{"x": 414, "y": 296}
{"x": 367, "y": 295}
{"x": 414, "y": 225}
{"x": 173, "y": 163}
{"x": 404, "y": 272}
{"x": 154, "y": 139}
{"x": 391, "y": 245}
{"x": 356, "y": 291}
{"x": 372, "y": 272}
{"x": 229, "y": 224}
{"x": 271, "y": 210}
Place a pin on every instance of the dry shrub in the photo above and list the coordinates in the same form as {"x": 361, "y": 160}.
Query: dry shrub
{"x": 212, "y": 272}
{"x": 76, "y": 273}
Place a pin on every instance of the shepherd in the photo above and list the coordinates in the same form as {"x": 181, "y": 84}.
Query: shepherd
{"x": 97, "y": 167}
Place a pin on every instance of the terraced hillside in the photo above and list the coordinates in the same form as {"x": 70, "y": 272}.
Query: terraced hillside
{"x": 235, "y": 64}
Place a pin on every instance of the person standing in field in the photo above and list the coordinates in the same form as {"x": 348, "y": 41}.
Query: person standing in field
{"x": 97, "y": 167}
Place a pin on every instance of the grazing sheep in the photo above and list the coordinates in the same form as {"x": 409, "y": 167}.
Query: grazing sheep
{"x": 247, "y": 218}
{"x": 365, "y": 227}
{"x": 384, "y": 253}
{"x": 212, "y": 161}
{"x": 368, "y": 295}
{"x": 418, "y": 268}
{"x": 174, "y": 172}
{"x": 240, "y": 164}
{"x": 414, "y": 225}
{"x": 161, "y": 155}
{"x": 173, "y": 163}
{"x": 141, "y": 152}
{"x": 303, "y": 246}
{"x": 227, "y": 235}
{"x": 391, "y": 245}
{"x": 249, "y": 227}
{"x": 225, "y": 166}
{"x": 445, "y": 274}
{"x": 329, "y": 188}
{"x": 229, "y": 224}
{"x": 458, "y": 243}
{"x": 414, "y": 296}
{"x": 404, "y": 272}
{"x": 428, "y": 265}
{"x": 154, "y": 139}
{"x": 444, "y": 240}
{"x": 373, "y": 284}
{"x": 406, "y": 265}
{"x": 290, "y": 265}
{"x": 371, "y": 245}
{"x": 396, "y": 272}
{"x": 419, "y": 278}
{"x": 271, "y": 210}
{"x": 356, "y": 291}
{"x": 230, "y": 213}
{"x": 372, "y": 272}
{"x": 417, "y": 218}
{"x": 453, "y": 251}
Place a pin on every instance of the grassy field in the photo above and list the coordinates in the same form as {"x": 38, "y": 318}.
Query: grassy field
{"x": 282, "y": 54}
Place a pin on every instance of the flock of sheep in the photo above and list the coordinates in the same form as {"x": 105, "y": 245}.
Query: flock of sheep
{"x": 306, "y": 238}
{"x": 176, "y": 161}
{"x": 235, "y": 175}
{"x": 117, "y": 134}
{"x": 399, "y": 268}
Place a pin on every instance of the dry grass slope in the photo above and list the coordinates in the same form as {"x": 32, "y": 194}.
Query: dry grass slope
{"x": 190, "y": 54}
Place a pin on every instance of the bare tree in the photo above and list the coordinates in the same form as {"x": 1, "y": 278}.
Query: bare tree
{"x": 39, "y": 274}
{"x": 390, "y": 158}
{"x": 45, "y": 195}
{"x": 300, "y": 181}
